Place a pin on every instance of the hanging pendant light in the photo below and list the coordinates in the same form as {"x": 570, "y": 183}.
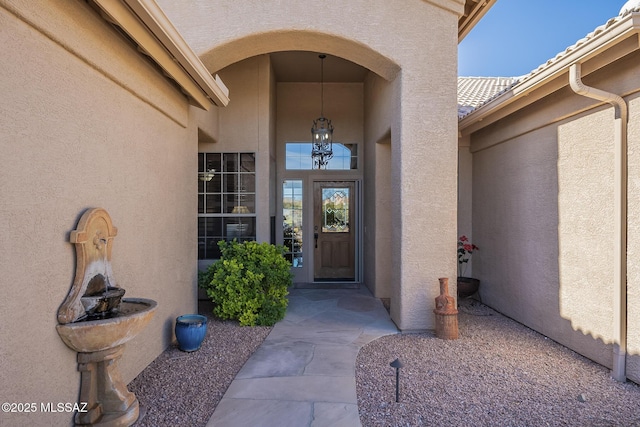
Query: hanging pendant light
{"x": 322, "y": 130}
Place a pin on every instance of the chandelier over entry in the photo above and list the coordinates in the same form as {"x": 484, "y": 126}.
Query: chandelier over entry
{"x": 322, "y": 130}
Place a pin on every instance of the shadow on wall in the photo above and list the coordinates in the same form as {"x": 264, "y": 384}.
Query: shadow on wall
{"x": 587, "y": 237}
{"x": 543, "y": 216}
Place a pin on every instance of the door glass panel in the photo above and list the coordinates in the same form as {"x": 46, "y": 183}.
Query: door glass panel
{"x": 292, "y": 221}
{"x": 335, "y": 210}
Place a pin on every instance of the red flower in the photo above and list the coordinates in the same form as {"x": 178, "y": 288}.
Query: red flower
{"x": 465, "y": 250}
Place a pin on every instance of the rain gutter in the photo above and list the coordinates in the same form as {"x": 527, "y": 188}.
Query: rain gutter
{"x": 620, "y": 207}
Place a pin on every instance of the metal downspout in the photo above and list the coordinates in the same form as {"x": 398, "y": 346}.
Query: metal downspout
{"x": 620, "y": 206}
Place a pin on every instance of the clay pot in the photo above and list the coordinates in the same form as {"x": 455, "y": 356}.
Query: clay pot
{"x": 467, "y": 286}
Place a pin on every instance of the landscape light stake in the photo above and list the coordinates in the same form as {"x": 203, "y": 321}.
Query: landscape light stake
{"x": 397, "y": 364}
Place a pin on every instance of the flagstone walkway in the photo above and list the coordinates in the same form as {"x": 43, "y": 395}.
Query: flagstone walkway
{"x": 303, "y": 374}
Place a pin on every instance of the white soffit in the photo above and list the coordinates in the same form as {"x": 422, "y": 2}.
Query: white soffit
{"x": 155, "y": 35}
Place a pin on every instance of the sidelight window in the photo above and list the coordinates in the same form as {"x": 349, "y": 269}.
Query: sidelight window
{"x": 292, "y": 221}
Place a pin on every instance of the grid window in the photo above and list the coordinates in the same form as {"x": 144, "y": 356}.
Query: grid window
{"x": 226, "y": 200}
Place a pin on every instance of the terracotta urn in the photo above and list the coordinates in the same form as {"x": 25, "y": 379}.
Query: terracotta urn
{"x": 446, "y": 313}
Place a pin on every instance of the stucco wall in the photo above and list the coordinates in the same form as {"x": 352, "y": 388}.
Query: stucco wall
{"x": 85, "y": 121}
{"x": 633, "y": 241}
{"x": 414, "y": 47}
{"x": 378, "y": 219}
{"x": 586, "y": 223}
{"x": 543, "y": 216}
{"x": 245, "y": 125}
{"x": 465, "y": 191}
{"x": 519, "y": 221}
{"x": 299, "y": 103}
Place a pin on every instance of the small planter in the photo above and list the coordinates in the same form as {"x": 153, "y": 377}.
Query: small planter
{"x": 190, "y": 331}
{"x": 467, "y": 286}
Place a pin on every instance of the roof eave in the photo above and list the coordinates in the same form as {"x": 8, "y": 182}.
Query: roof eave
{"x": 623, "y": 34}
{"x": 145, "y": 22}
{"x": 474, "y": 11}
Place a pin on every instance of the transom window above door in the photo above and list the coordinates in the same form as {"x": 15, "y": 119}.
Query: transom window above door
{"x": 298, "y": 156}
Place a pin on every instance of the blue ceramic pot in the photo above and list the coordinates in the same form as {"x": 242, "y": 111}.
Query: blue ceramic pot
{"x": 190, "y": 331}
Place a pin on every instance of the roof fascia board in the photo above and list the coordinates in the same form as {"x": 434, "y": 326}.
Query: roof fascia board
{"x": 155, "y": 19}
{"x": 469, "y": 21}
{"x": 148, "y": 26}
{"x": 593, "y": 47}
{"x": 623, "y": 33}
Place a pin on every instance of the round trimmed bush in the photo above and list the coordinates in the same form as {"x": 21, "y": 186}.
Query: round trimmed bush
{"x": 249, "y": 283}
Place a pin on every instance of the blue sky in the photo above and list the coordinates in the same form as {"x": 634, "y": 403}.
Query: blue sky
{"x": 516, "y": 36}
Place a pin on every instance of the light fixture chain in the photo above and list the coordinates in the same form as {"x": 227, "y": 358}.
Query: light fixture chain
{"x": 322, "y": 85}
{"x": 322, "y": 130}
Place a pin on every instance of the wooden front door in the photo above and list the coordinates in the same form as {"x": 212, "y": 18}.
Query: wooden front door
{"x": 334, "y": 230}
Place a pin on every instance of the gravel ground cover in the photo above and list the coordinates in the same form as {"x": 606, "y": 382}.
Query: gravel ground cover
{"x": 183, "y": 389}
{"x": 498, "y": 373}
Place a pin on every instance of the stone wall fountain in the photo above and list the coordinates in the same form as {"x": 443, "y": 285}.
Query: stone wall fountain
{"x": 96, "y": 322}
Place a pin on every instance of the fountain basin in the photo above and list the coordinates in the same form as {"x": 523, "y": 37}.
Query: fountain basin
{"x": 102, "y": 334}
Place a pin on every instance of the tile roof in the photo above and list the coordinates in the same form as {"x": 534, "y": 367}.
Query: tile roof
{"x": 626, "y": 10}
{"x": 476, "y": 91}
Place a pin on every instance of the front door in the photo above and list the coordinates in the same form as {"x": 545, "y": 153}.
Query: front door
{"x": 334, "y": 231}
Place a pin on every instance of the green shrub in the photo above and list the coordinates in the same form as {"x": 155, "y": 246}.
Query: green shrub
{"x": 249, "y": 283}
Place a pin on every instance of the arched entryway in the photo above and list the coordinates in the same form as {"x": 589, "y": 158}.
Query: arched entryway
{"x": 407, "y": 99}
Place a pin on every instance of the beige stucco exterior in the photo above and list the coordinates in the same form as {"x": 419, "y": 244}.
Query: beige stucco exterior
{"x": 418, "y": 117}
{"x": 88, "y": 120}
{"x": 633, "y": 247}
{"x": 248, "y": 124}
{"x": 378, "y": 194}
{"x": 543, "y": 204}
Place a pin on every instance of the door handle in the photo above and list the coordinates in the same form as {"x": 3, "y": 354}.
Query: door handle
{"x": 315, "y": 237}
